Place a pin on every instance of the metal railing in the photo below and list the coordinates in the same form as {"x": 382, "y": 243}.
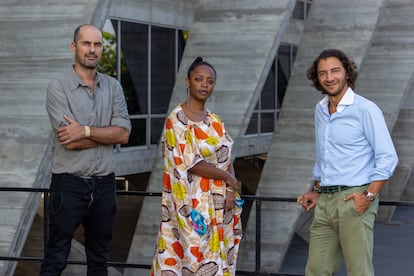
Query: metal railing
{"x": 256, "y": 199}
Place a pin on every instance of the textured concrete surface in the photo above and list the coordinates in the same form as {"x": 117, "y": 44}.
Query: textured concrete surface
{"x": 241, "y": 38}
{"x": 34, "y": 47}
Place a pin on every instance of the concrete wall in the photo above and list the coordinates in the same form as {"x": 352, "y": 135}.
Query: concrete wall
{"x": 177, "y": 13}
{"x": 34, "y": 47}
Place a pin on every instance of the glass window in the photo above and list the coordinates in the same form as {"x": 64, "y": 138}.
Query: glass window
{"x": 138, "y": 133}
{"x": 157, "y": 126}
{"x": 268, "y": 106}
{"x": 253, "y": 128}
{"x": 267, "y": 122}
{"x": 301, "y": 9}
{"x": 163, "y": 68}
{"x": 147, "y": 57}
{"x": 134, "y": 50}
{"x": 284, "y": 71}
{"x": 268, "y": 96}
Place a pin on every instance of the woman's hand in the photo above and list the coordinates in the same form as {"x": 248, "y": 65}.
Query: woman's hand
{"x": 232, "y": 181}
{"x": 230, "y": 199}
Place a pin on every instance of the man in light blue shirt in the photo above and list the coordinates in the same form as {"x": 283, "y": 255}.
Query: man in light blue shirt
{"x": 355, "y": 157}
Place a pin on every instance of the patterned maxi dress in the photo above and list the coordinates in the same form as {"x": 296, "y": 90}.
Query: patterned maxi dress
{"x": 180, "y": 249}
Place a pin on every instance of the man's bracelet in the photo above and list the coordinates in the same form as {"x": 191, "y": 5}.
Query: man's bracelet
{"x": 87, "y": 131}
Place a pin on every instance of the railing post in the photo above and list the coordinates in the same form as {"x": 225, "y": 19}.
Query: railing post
{"x": 45, "y": 220}
{"x": 258, "y": 232}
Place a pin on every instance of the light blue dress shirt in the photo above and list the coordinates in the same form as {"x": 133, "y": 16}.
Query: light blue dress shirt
{"x": 353, "y": 145}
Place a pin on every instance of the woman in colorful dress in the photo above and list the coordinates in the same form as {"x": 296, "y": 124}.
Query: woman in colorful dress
{"x": 200, "y": 228}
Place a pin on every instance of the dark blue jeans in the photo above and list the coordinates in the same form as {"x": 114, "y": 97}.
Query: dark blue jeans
{"x": 74, "y": 201}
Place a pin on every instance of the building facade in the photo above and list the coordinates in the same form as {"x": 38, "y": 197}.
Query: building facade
{"x": 261, "y": 50}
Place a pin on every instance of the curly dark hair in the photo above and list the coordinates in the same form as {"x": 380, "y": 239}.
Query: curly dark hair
{"x": 348, "y": 64}
{"x": 199, "y": 61}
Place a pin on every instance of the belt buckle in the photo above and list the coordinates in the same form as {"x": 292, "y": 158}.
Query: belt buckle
{"x": 331, "y": 189}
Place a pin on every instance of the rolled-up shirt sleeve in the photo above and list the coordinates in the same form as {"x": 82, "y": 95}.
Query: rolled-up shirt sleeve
{"x": 57, "y": 104}
{"x": 120, "y": 115}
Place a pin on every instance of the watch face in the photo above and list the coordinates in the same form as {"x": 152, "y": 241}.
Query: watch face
{"x": 370, "y": 196}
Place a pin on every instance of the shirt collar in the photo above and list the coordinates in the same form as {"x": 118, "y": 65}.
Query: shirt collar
{"x": 77, "y": 81}
{"x": 347, "y": 99}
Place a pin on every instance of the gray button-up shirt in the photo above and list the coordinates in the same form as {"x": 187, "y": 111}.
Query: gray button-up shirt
{"x": 105, "y": 106}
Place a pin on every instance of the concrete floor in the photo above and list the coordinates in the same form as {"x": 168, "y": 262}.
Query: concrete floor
{"x": 393, "y": 248}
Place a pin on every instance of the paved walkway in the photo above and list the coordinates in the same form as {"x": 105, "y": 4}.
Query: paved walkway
{"x": 393, "y": 248}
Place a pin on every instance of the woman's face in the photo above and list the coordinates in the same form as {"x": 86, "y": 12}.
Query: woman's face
{"x": 201, "y": 83}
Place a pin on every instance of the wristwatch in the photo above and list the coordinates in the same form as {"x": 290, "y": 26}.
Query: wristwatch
{"x": 369, "y": 196}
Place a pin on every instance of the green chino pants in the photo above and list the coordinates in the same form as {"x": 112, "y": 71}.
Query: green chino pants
{"x": 339, "y": 231}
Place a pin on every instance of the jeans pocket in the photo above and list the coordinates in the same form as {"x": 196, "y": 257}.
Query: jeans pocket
{"x": 55, "y": 202}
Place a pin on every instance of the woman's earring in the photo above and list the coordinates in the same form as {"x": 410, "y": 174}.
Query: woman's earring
{"x": 188, "y": 96}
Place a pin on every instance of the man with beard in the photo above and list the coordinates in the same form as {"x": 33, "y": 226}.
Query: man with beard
{"x": 89, "y": 115}
{"x": 355, "y": 157}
